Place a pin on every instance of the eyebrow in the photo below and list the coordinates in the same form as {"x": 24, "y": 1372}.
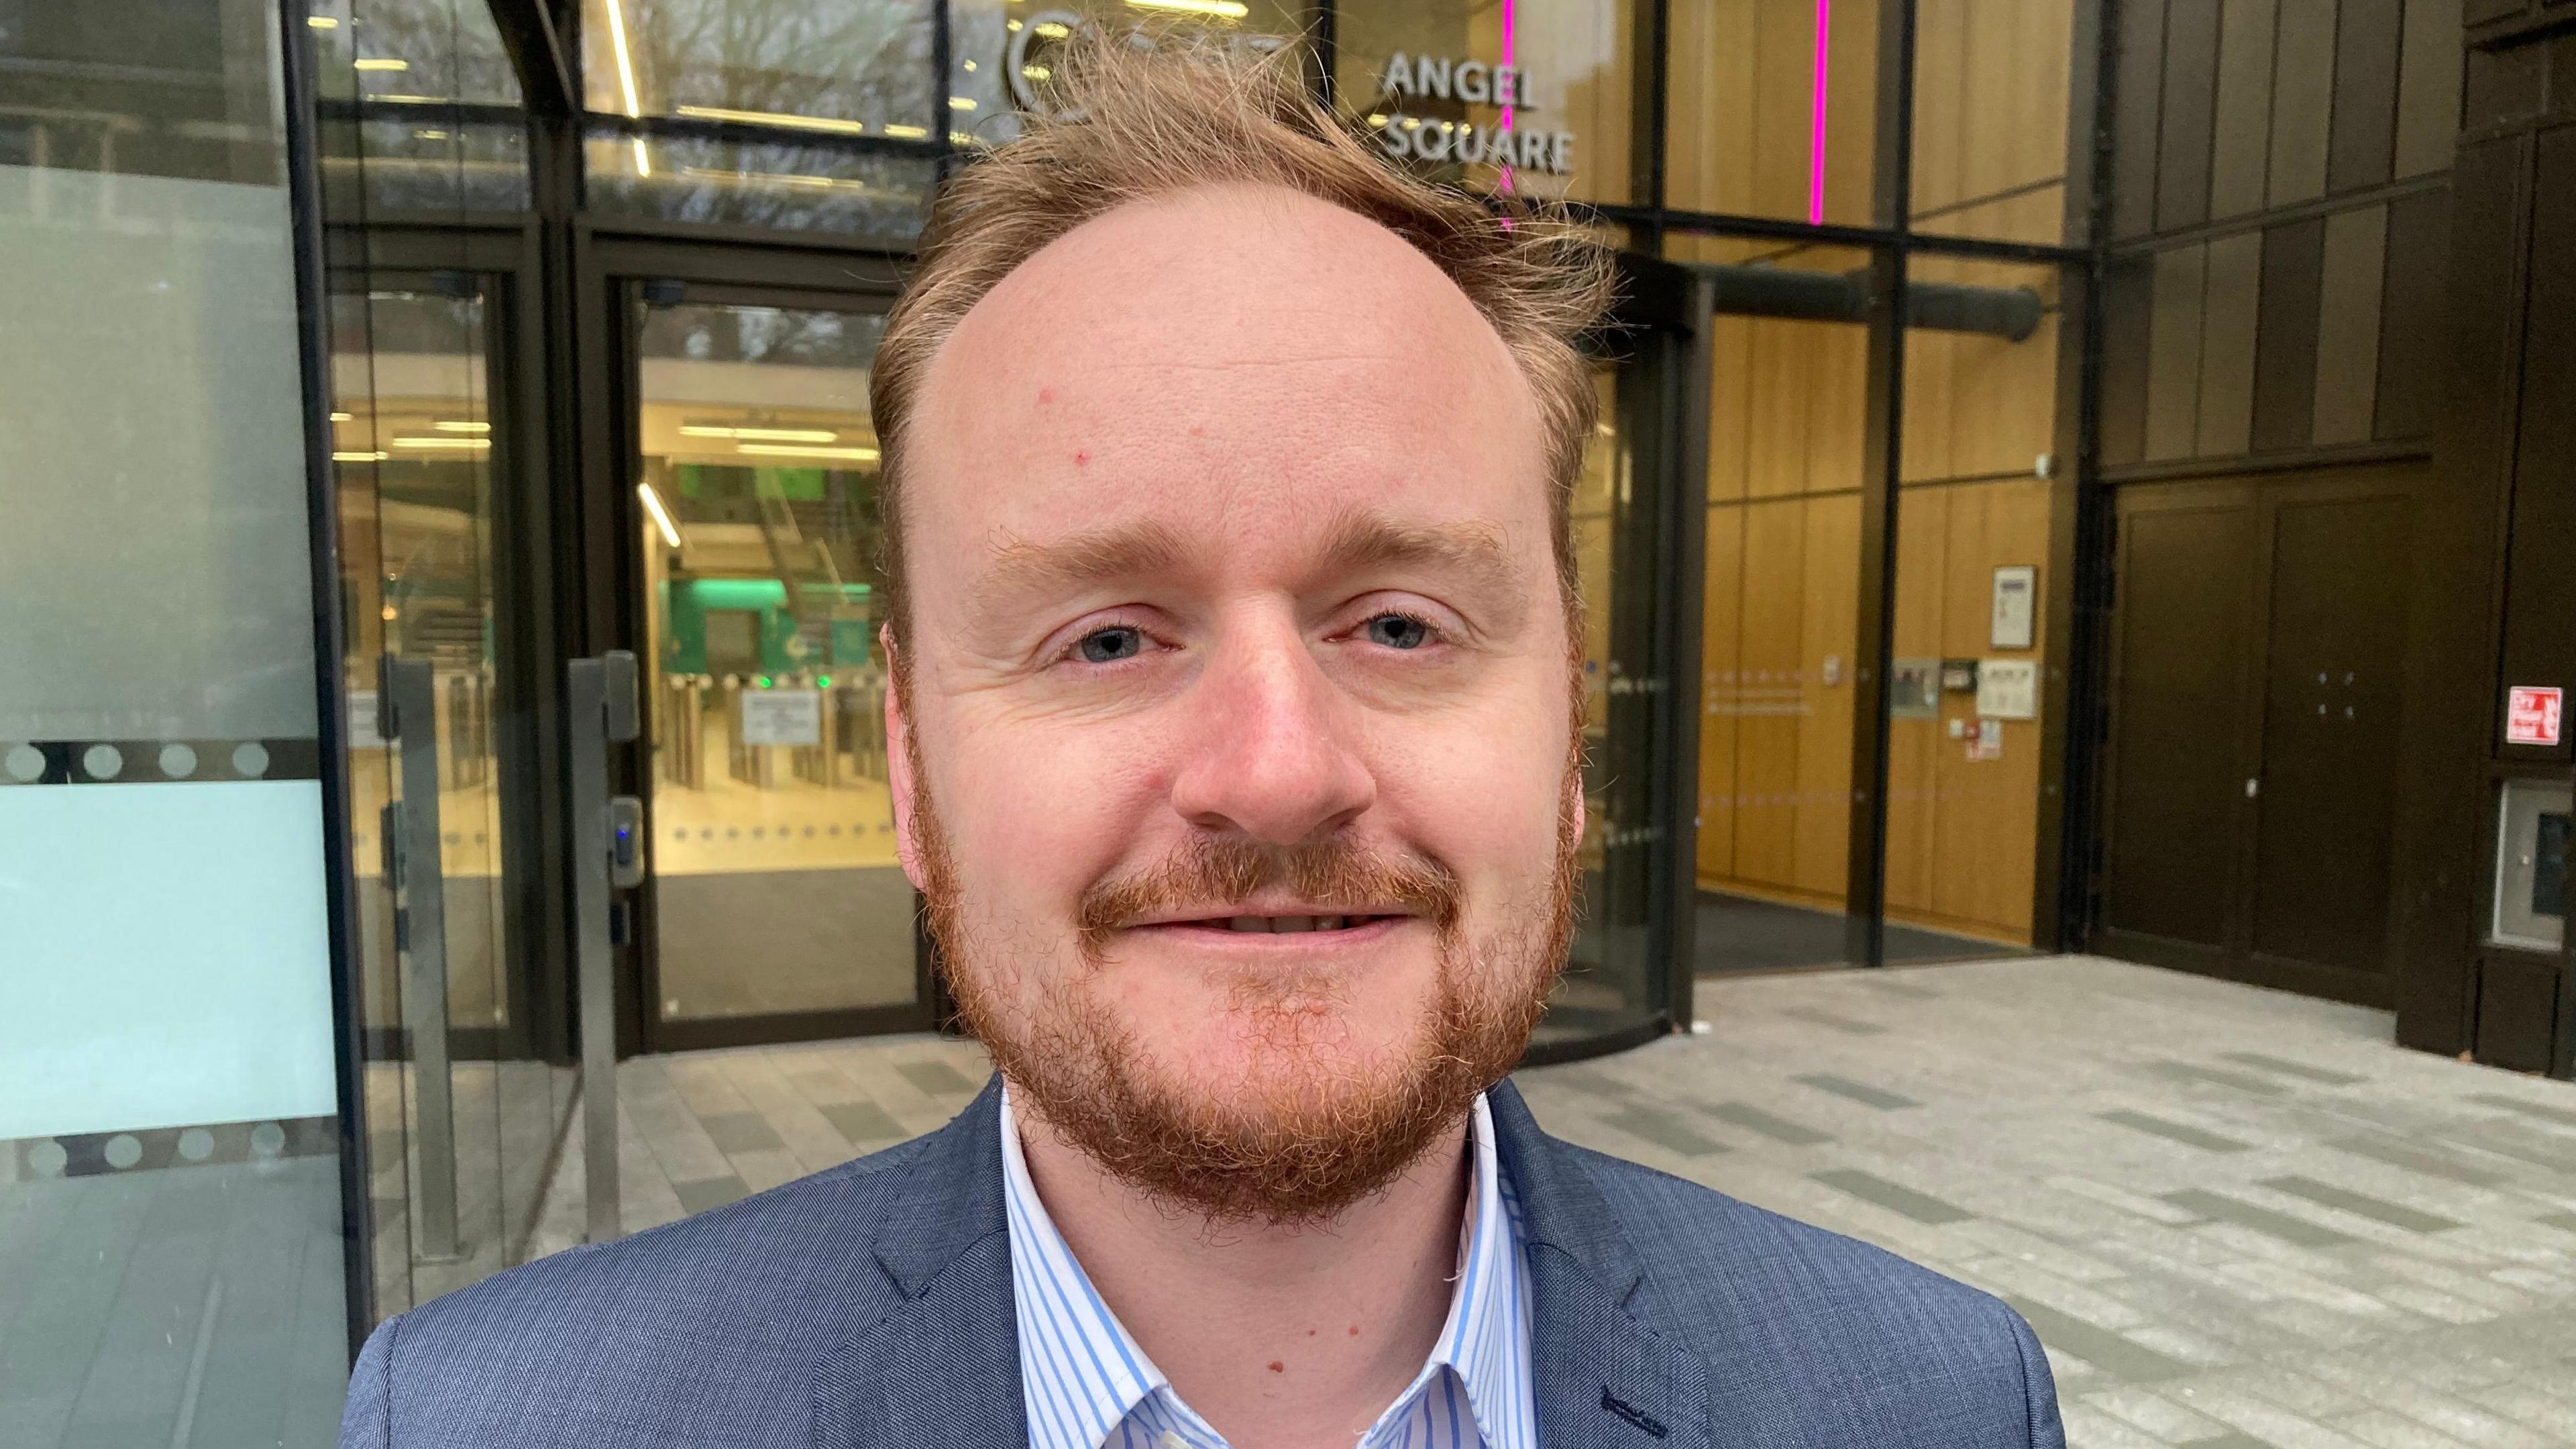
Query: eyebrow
{"x": 1357, "y": 540}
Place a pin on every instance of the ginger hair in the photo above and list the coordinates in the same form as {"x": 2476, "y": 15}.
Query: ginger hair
{"x": 1140, "y": 115}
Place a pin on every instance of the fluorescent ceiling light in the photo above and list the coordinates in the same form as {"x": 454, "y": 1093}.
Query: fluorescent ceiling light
{"x": 401, "y": 99}
{"x": 643, "y": 163}
{"x": 625, "y": 62}
{"x": 322, "y": 22}
{"x": 790, "y": 450}
{"x": 661, "y": 515}
{"x": 339, "y": 417}
{"x": 1054, "y": 29}
{"x": 456, "y": 425}
{"x": 1230, "y": 9}
{"x": 360, "y": 456}
{"x": 761, "y": 435}
{"x": 962, "y": 103}
{"x": 382, "y": 62}
{"x": 777, "y": 118}
{"x": 906, "y": 133}
{"x": 453, "y": 444}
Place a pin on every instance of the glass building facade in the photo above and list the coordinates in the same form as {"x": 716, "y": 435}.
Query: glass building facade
{"x": 1982, "y": 374}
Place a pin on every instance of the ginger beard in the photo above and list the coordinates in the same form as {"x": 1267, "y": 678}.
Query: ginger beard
{"x": 1302, "y": 1134}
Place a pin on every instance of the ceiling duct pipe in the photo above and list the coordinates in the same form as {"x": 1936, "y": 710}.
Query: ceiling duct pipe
{"x": 2012, "y": 313}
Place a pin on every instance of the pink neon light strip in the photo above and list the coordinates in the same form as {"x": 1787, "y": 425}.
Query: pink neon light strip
{"x": 1816, "y": 119}
{"x": 1503, "y": 180}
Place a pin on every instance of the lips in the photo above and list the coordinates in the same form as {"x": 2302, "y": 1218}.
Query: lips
{"x": 1286, "y": 925}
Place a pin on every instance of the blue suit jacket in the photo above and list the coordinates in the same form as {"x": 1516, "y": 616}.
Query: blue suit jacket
{"x": 871, "y": 1305}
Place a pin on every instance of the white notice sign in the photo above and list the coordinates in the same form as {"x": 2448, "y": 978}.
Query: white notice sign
{"x": 2013, "y": 625}
{"x": 782, "y": 717}
{"x": 2008, "y": 688}
{"x": 362, "y": 721}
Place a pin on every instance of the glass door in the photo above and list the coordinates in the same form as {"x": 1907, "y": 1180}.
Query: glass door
{"x": 1634, "y": 578}
{"x": 463, "y": 1094}
{"x": 775, "y": 907}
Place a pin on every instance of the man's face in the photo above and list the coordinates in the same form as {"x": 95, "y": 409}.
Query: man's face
{"x": 1234, "y": 731}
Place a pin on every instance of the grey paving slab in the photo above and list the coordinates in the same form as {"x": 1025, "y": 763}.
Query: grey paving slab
{"x": 1663, "y": 1128}
{"x": 1896, "y": 1197}
{"x": 711, "y": 1192}
{"x": 2172, "y": 1131}
{"x": 2428, "y": 1161}
{"x": 937, "y": 1078}
{"x": 1777, "y": 1128}
{"x": 744, "y": 1131}
{"x": 1848, "y": 1024}
{"x": 2396, "y": 1215}
{"x": 2285, "y": 1067}
{"x": 2563, "y": 1116}
{"x": 1861, "y": 1092}
{"x": 2193, "y": 1074}
{"x": 862, "y": 1123}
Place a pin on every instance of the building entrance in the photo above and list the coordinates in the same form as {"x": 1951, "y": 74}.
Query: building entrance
{"x": 746, "y": 509}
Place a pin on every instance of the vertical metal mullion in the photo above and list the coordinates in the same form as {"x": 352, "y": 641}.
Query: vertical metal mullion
{"x": 322, "y": 521}
{"x": 1865, "y": 923}
{"x": 1652, "y": 121}
{"x": 943, "y": 75}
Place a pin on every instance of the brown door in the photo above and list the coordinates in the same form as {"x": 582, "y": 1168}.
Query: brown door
{"x": 2173, "y": 776}
{"x": 2254, "y": 696}
{"x": 2337, "y": 630}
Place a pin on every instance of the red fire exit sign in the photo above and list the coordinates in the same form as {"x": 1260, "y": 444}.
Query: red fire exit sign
{"x": 2531, "y": 714}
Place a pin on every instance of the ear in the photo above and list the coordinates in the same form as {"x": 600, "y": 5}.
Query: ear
{"x": 899, "y": 762}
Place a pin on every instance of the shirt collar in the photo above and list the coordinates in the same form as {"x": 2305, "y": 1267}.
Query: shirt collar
{"x": 1083, "y": 1375}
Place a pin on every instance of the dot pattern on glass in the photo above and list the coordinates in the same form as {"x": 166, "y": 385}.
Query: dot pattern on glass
{"x": 196, "y": 1144}
{"x": 267, "y": 1139}
{"x": 250, "y": 759}
{"x": 102, "y": 762}
{"x": 123, "y": 1151}
{"x": 23, "y": 762}
{"x": 178, "y": 761}
{"x": 46, "y": 1159}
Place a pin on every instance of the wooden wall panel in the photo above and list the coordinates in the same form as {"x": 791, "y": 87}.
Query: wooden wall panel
{"x": 1708, "y": 162}
{"x": 1915, "y": 745}
{"x": 2227, "y": 344}
{"x": 2128, "y": 306}
{"x": 2364, "y": 139}
{"x": 2190, "y": 86}
{"x": 2285, "y": 348}
{"x": 1768, "y": 731}
{"x": 1721, "y": 657}
{"x": 2139, "y": 81}
{"x": 1838, "y": 411}
{"x": 2241, "y": 142}
{"x": 2412, "y": 329}
{"x": 1784, "y": 42}
{"x": 2428, "y": 86}
{"x": 1829, "y": 623}
{"x": 1730, "y": 400}
{"x": 1941, "y": 58}
{"x": 1782, "y": 401}
{"x": 2173, "y": 352}
{"x": 2349, "y": 287}
{"x": 1930, "y": 382}
{"x": 2302, "y": 101}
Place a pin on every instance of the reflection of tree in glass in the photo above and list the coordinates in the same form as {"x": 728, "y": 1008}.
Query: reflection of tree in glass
{"x": 448, "y": 48}
{"x": 765, "y": 334}
{"x": 867, "y": 62}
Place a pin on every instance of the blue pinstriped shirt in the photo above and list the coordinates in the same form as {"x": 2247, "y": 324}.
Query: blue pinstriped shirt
{"x": 1085, "y": 1383}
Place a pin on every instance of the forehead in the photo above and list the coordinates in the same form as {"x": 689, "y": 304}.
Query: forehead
{"x": 1238, "y": 357}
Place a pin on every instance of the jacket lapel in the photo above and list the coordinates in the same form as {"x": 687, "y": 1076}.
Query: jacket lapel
{"x": 943, "y": 1366}
{"x": 1603, "y": 1377}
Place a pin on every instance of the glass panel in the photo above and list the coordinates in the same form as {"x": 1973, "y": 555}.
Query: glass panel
{"x": 170, "y": 1122}
{"x": 857, "y": 68}
{"x": 788, "y": 186}
{"x": 1990, "y": 118}
{"x": 1425, "y": 77}
{"x": 424, "y": 91}
{"x": 1003, "y": 48}
{"x": 1616, "y": 975}
{"x": 1747, "y": 129}
{"x": 412, "y": 436}
{"x": 775, "y": 885}
{"x": 1778, "y": 691}
{"x": 1972, "y": 651}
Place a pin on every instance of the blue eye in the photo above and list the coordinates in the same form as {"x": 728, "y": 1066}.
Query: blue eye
{"x": 1398, "y": 631}
{"x": 1108, "y": 646}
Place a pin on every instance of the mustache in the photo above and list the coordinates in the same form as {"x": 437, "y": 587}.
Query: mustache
{"x": 1216, "y": 869}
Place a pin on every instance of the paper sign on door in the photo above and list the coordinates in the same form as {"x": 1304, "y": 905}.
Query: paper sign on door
{"x": 2531, "y": 714}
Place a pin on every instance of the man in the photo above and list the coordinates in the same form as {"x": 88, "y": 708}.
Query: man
{"x": 1236, "y": 738}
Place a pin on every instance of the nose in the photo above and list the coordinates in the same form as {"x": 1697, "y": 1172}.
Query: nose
{"x": 1271, "y": 745}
